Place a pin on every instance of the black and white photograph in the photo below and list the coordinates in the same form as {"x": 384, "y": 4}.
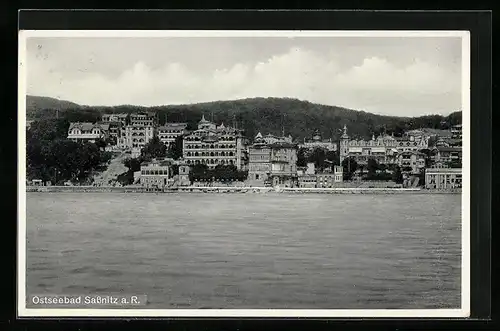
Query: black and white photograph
{"x": 231, "y": 173}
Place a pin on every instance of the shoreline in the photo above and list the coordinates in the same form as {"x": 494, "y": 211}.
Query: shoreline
{"x": 236, "y": 190}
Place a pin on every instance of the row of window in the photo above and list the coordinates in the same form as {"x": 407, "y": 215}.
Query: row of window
{"x": 94, "y": 131}
{"x": 162, "y": 172}
{"x": 210, "y": 161}
{"x": 179, "y": 132}
{"x": 199, "y": 138}
{"x": 209, "y": 154}
{"x": 209, "y": 146}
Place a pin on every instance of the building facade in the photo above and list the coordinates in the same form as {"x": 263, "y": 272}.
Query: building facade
{"x": 85, "y": 131}
{"x": 183, "y": 179}
{"x": 144, "y": 119}
{"x": 283, "y": 160}
{"x": 317, "y": 142}
{"x": 135, "y": 136}
{"x": 169, "y": 132}
{"x": 456, "y": 131}
{"x": 214, "y": 145}
{"x": 121, "y": 118}
{"x": 155, "y": 174}
{"x": 272, "y": 160}
{"x": 113, "y": 129}
{"x": 443, "y": 178}
{"x": 446, "y": 155}
{"x": 411, "y": 160}
{"x": 384, "y": 149}
{"x": 321, "y": 180}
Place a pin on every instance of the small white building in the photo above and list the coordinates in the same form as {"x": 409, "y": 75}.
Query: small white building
{"x": 154, "y": 174}
{"x": 85, "y": 131}
{"x": 443, "y": 178}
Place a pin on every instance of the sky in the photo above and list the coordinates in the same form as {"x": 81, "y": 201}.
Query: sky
{"x": 383, "y": 75}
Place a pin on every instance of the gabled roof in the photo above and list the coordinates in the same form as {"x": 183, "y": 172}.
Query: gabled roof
{"x": 84, "y": 126}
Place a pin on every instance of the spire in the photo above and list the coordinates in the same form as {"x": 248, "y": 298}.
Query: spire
{"x": 203, "y": 118}
{"x": 344, "y": 135}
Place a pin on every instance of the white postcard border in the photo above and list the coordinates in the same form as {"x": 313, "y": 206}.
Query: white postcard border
{"x": 22, "y": 311}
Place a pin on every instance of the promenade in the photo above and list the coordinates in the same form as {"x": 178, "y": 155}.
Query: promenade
{"x": 226, "y": 189}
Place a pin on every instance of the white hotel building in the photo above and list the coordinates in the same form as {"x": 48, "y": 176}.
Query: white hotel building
{"x": 213, "y": 145}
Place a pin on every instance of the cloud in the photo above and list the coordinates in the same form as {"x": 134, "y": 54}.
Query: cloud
{"x": 375, "y": 84}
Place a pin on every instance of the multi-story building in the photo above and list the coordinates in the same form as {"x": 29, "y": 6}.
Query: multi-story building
{"x": 272, "y": 160}
{"x": 155, "y": 174}
{"x": 215, "y": 145}
{"x": 411, "y": 160}
{"x": 135, "y": 136}
{"x": 384, "y": 149}
{"x": 443, "y": 178}
{"x": 317, "y": 142}
{"x": 448, "y": 142}
{"x": 456, "y": 131}
{"x": 283, "y": 161}
{"x": 143, "y": 118}
{"x": 183, "y": 178}
{"x": 114, "y": 129}
{"x": 309, "y": 169}
{"x": 121, "y": 118}
{"x": 446, "y": 155}
{"x": 271, "y": 139}
{"x": 321, "y": 180}
{"x": 307, "y": 180}
{"x": 85, "y": 131}
{"x": 170, "y": 131}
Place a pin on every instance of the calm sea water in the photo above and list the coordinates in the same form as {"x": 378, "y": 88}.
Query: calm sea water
{"x": 248, "y": 250}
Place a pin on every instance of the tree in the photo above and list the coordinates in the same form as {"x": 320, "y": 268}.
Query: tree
{"x": 333, "y": 157}
{"x": 350, "y": 166}
{"x": 154, "y": 149}
{"x": 199, "y": 171}
{"x": 372, "y": 166}
{"x": 318, "y": 157}
{"x": 428, "y": 154}
{"x": 301, "y": 157}
{"x": 133, "y": 164}
{"x": 407, "y": 169}
{"x": 174, "y": 170}
{"x": 175, "y": 149}
{"x": 101, "y": 143}
{"x": 397, "y": 176}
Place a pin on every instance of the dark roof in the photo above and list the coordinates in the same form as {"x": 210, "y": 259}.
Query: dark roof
{"x": 86, "y": 125}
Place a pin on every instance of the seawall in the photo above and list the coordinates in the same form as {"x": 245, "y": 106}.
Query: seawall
{"x": 226, "y": 189}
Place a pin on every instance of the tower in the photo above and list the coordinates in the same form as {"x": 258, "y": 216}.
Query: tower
{"x": 344, "y": 145}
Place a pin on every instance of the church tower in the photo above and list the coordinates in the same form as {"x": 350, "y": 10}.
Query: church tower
{"x": 344, "y": 145}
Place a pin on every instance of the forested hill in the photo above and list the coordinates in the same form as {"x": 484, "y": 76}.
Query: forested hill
{"x": 267, "y": 115}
